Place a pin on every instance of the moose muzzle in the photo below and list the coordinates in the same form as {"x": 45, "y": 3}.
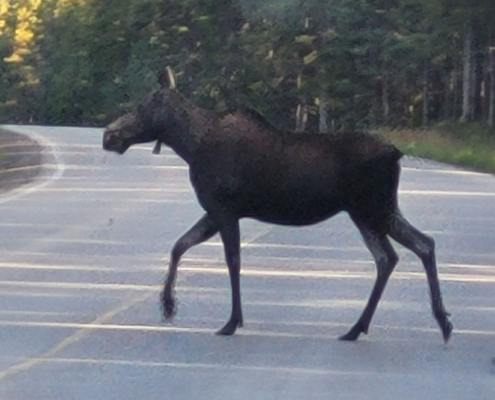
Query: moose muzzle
{"x": 112, "y": 142}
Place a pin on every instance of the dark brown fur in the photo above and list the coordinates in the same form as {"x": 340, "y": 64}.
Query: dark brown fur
{"x": 241, "y": 166}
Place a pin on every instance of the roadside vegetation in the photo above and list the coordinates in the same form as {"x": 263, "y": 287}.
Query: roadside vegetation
{"x": 466, "y": 145}
{"x": 364, "y": 64}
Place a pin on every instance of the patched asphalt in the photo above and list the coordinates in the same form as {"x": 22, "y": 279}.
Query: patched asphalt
{"x": 21, "y": 160}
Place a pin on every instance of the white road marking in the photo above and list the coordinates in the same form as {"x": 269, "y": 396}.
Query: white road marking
{"x": 448, "y": 171}
{"x": 229, "y": 367}
{"x": 446, "y": 193}
{"x": 73, "y": 338}
{"x": 176, "y": 329}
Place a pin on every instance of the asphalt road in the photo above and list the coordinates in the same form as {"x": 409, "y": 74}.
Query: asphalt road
{"x": 84, "y": 249}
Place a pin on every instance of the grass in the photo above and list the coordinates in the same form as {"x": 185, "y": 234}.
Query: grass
{"x": 1, "y": 153}
{"x": 466, "y": 145}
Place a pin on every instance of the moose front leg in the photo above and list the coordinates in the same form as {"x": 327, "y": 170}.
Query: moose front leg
{"x": 231, "y": 242}
{"x": 203, "y": 230}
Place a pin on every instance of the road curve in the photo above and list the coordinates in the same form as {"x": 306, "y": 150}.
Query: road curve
{"x": 83, "y": 252}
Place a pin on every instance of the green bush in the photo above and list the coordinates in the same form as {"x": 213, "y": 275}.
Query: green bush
{"x": 468, "y": 145}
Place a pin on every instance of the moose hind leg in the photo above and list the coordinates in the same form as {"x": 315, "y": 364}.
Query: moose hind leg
{"x": 386, "y": 259}
{"x": 424, "y": 247}
{"x": 231, "y": 242}
{"x": 203, "y": 230}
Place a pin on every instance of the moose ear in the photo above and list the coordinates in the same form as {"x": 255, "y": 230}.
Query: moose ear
{"x": 168, "y": 79}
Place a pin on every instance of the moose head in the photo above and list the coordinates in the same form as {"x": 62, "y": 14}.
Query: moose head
{"x": 147, "y": 122}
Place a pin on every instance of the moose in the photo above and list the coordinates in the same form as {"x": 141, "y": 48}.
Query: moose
{"x": 241, "y": 166}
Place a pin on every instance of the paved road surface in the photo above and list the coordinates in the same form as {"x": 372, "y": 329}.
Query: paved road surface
{"x": 84, "y": 250}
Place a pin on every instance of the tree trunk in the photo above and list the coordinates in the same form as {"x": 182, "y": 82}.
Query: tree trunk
{"x": 478, "y": 84}
{"x": 323, "y": 113}
{"x": 449, "y": 96}
{"x": 468, "y": 74}
{"x": 485, "y": 86}
{"x": 301, "y": 108}
{"x": 385, "y": 99}
{"x": 301, "y": 118}
{"x": 491, "y": 105}
{"x": 426, "y": 94}
{"x": 298, "y": 118}
{"x": 458, "y": 90}
{"x": 304, "y": 118}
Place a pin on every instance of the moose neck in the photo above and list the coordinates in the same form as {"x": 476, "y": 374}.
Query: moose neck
{"x": 188, "y": 124}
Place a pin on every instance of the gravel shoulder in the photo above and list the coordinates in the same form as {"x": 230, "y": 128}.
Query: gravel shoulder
{"x": 20, "y": 160}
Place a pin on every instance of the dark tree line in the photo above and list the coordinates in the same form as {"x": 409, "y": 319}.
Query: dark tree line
{"x": 342, "y": 63}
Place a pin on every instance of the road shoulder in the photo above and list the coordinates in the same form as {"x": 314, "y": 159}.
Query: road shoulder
{"x": 21, "y": 160}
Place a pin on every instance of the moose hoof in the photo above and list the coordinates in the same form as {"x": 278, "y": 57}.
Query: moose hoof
{"x": 229, "y": 328}
{"x": 445, "y": 325}
{"x": 446, "y": 330}
{"x": 169, "y": 309}
{"x": 354, "y": 333}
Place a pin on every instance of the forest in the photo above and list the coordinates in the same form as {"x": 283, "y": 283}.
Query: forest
{"x": 346, "y": 64}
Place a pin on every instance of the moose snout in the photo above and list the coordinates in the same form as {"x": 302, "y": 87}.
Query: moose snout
{"x": 107, "y": 140}
{"x": 112, "y": 142}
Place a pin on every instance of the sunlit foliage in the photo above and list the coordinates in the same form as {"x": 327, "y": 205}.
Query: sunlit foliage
{"x": 366, "y": 62}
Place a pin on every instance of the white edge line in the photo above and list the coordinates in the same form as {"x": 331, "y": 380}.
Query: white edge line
{"x": 448, "y": 171}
